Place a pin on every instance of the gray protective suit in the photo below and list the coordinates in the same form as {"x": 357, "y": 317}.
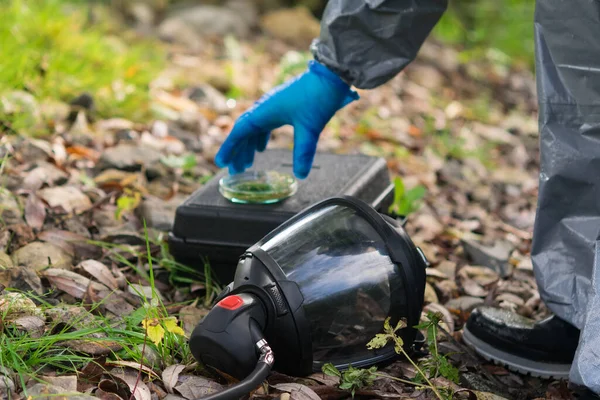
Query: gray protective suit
{"x": 368, "y": 42}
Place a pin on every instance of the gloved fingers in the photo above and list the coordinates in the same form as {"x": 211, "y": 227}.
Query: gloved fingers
{"x": 233, "y": 144}
{"x": 237, "y": 164}
{"x": 251, "y": 148}
{"x": 305, "y": 147}
{"x": 352, "y": 96}
{"x": 262, "y": 140}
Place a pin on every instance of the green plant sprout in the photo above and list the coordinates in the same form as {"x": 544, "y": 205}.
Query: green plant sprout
{"x": 427, "y": 370}
{"x": 406, "y": 201}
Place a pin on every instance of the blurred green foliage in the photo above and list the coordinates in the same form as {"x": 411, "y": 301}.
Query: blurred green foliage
{"x": 54, "y": 49}
{"x": 481, "y": 25}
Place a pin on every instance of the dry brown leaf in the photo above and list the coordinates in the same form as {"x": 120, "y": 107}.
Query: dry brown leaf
{"x": 33, "y": 325}
{"x": 297, "y": 391}
{"x": 101, "y": 394}
{"x": 135, "y": 384}
{"x": 92, "y": 346}
{"x": 133, "y": 365}
{"x": 190, "y": 316}
{"x": 100, "y": 272}
{"x": 472, "y": 288}
{"x": 193, "y": 387}
{"x": 83, "y": 152}
{"x": 71, "y": 243}
{"x": 35, "y": 211}
{"x": 69, "y": 282}
{"x": 325, "y": 379}
{"x": 170, "y": 376}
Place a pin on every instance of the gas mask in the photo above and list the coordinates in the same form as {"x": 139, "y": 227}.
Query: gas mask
{"x": 315, "y": 290}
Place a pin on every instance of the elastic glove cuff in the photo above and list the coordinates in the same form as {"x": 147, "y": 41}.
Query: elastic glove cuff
{"x": 321, "y": 70}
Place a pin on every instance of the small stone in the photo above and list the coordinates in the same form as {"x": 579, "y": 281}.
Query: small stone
{"x": 430, "y": 295}
{"x": 205, "y": 21}
{"x": 495, "y": 257}
{"x": 209, "y": 96}
{"x": 5, "y": 261}
{"x": 296, "y": 26}
{"x": 10, "y": 210}
{"x": 70, "y": 198}
{"x": 39, "y": 255}
{"x": 41, "y": 391}
{"x": 160, "y": 214}
{"x": 128, "y": 157}
{"x": 14, "y": 305}
{"x": 190, "y": 140}
{"x": 464, "y": 303}
{"x": 126, "y": 135}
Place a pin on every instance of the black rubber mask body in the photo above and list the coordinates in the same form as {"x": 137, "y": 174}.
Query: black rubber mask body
{"x": 325, "y": 280}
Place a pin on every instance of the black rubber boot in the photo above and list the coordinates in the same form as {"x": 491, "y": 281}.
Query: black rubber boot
{"x": 544, "y": 349}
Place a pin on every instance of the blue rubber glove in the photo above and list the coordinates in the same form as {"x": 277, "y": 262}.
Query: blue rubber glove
{"x": 307, "y": 102}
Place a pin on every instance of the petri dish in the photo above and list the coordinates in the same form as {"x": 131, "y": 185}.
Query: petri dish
{"x": 258, "y": 187}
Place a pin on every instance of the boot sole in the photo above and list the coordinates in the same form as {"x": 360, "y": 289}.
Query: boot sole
{"x": 515, "y": 363}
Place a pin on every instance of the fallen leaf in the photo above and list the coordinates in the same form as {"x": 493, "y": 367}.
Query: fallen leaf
{"x": 71, "y": 243}
{"x": 193, "y": 387}
{"x": 101, "y": 394}
{"x": 100, "y": 272}
{"x": 472, "y": 288}
{"x": 133, "y": 365}
{"x": 33, "y": 325}
{"x": 70, "y": 198}
{"x": 297, "y": 391}
{"x": 156, "y": 328}
{"x": 113, "y": 389}
{"x": 92, "y": 346}
{"x": 69, "y": 282}
{"x": 67, "y": 382}
{"x": 170, "y": 376}
{"x": 325, "y": 379}
{"x": 136, "y": 385}
{"x": 190, "y": 317}
{"x": 83, "y": 152}
{"x": 35, "y": 211}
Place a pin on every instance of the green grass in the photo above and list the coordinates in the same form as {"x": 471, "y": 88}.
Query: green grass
{"x": 29, "y": 357}
{"x": 481, "y": 25}
{"x": 52, "y": 51}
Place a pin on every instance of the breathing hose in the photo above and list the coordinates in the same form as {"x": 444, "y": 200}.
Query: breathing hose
{"x": 260, "y": 373}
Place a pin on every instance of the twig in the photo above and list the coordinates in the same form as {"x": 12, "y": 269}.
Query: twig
{"x": 141, "y": 367}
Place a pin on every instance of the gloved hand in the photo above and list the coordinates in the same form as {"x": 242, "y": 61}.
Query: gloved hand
{"x": 307, "y": 102}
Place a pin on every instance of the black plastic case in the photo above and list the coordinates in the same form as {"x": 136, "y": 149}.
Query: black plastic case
{"x": 211, "y": 227}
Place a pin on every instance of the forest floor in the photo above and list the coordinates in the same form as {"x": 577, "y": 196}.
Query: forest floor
{"x": 94, "y": 303}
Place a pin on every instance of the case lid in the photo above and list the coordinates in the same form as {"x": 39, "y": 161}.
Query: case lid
{"x": 207, "y": 217}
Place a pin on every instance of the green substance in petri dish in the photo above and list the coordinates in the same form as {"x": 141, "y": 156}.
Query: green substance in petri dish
{"x": 260, "y": 187}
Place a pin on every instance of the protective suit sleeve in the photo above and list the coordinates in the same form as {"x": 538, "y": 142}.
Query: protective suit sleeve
{"x": 368, "y": 42}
